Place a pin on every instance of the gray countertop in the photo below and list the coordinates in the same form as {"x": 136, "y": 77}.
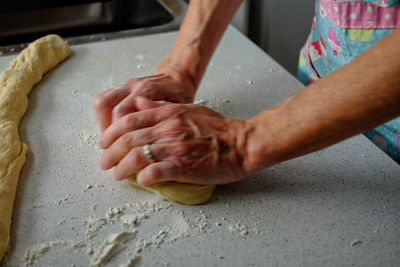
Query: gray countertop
{"x": 303, "y": 212}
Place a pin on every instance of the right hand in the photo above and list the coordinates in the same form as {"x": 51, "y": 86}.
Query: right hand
{"x": 119, "y": 101}
{"x": 189, "y": 143}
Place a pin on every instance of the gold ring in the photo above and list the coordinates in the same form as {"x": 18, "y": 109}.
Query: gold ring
{"x": 147, "y": 153}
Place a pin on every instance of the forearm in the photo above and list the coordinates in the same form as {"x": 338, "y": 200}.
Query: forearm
{"x": 201, "y": 30}
{"x": 357, "y": 97}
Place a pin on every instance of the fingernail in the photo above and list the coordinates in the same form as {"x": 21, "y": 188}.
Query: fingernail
{"x": 123, "y": 178}
{"x": 102, "y": 165}
{"x": 116, "y": 175}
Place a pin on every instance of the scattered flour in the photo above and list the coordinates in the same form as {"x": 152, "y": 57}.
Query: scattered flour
{"x": 89, "y": 251}
{"x": 355, "y": 242}
{"x": 131, "y": 262}
{"x": 64, "y": 201}
{"x": 155, "y": 241}
{"x": 137, "y": 212}
{"x": 88, "y": 138}
{"x": 176, "y": 225}
{"x": 94, "y": 225}
{"x": 129, "y": 220}
{"x": 87, "y": 187}
{"x": 110, "y": 247}
{"x": 39, "y": 250}
{"x": 239, "y": 229}
{"x": 114, "y": 212}
{"x": 141, "y": 66}
{"x": 140, "y": 57}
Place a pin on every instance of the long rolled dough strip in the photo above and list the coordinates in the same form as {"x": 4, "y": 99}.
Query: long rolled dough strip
{"x": 16, "y": 83}
{"x": 189, "y": 194}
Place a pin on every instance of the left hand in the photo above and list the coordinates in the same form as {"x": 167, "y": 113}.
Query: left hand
{"x": 189, "y": 143}
{"x": 173, "y": 86}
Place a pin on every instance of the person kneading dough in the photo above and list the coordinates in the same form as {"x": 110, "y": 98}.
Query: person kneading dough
{"x": 150, "y": 127}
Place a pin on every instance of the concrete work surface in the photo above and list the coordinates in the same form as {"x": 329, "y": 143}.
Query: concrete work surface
{"x": 336, "y": 207}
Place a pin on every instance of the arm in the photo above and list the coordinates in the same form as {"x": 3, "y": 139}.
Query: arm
{"x": 353, "y": 99}
{"x": 201, "y": 30}
{"x": 193, "y": 144}
{"x": 180, "y": 73}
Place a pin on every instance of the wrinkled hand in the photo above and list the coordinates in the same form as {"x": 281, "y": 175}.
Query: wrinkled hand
{"x": 189, "y": 143}
{"x": 115, "y": 103}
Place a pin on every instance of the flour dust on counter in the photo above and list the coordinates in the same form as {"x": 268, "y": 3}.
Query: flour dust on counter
{"x": 37, "y": 251}
{"x": 121, "y": 236}
{"x": 63, "y": 202}
{"x": 131, "y": 262}
{"x": 89, "y": 138}
{"x": 307, "y": 207}
{"x": 355, "y": 242}
{"x": 112, "y": 245}
{"x": 141, "y": 64}
{"x": 239, "y": 229}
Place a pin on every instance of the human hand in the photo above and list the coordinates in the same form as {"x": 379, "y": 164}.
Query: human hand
{"x": 189, "y": 143}
{"x": 115, "y": 103}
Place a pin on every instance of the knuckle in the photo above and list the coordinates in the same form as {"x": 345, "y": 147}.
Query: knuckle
{"x": 98, "y": 102}
{"x": 131, "y": 82}
{"x": 176, "y": 124}
{"x": 173, "y": 127}
{"x": 183, "y": 150}
{"x": 127, "y": 121}
{"x": 154, "y": 172}
{"x": 125, "y": 139}
{"x": 118, "y": 110}
{"x": 142, "y": 84}
{"x": 173, "y": 109}
{"x": 171, "y": 130}
{"x": 135, "y": 158}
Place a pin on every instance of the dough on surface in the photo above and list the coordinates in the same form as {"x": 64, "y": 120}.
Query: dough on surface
{"x": 16, "y": 83}
{"x": 189, "y": 194}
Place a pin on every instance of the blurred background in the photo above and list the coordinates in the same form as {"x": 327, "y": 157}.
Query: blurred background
{"x": 279, "y": 27}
